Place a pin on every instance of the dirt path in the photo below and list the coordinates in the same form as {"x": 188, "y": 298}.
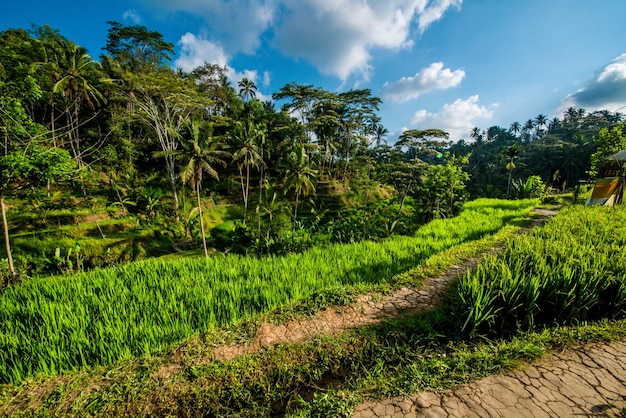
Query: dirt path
{"x": 368, "y": 309}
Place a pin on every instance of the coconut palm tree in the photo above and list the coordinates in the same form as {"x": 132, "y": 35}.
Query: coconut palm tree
{"x": 541, "y": 122}
{"x": 380, "y": 133}
{"x": 299, "y": 176}
{"x": 476, "y": 134}
{"x": 200, "y": 155}
{"x": 76, "y": 71}
{"x": 516, "y": 128}
{"x": 247, "y": 89}
{"x": 527, "y": 129}
{"x": 247, "y": 140}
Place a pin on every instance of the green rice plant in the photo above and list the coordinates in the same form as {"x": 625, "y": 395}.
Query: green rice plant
{"x": 58, "y": 324}
{"x": 572, "y": 269}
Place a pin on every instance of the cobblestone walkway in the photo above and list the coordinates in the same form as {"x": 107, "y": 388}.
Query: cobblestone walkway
{"x": 589, "y": 381}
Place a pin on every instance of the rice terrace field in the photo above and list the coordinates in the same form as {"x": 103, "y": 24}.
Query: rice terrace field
{"x": 288, "y": 210}
{"x": 89, "y": 344}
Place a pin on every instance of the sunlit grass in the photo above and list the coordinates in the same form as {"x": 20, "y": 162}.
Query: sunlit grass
{"x": 65, "y": 323}
{"x": 573, "y": 269}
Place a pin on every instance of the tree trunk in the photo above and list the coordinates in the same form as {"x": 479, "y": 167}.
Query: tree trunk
{"x": 244, "y": 194}
{"x": 5, "y": 229}
{"x": 206, "y": 252}
{"x": 295, "y": 213}
{"x": 260, "y": 200}
{"x": 406, "y": 191}
{"x": 508, "y": 188}
{"x": 171, "y": 170}
{"x": 247, "y": 184}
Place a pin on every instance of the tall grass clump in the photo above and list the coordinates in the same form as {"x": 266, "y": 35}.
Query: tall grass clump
{"x": 56, "y": 324}
{"x": 573, "y": 269}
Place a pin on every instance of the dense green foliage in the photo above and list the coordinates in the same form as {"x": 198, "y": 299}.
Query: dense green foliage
{"x": 571, "y": 270}
{"x": 303, "y": 167}
{"x": 62, "y": 323}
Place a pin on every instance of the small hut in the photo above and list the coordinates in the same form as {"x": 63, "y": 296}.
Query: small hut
{"x": 610, "y": 184}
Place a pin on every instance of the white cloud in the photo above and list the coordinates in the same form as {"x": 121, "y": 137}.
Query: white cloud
{"x": 434, "y": 10}
{"x": 456, "y": 118}
{"x": 336, "y": 36}
{"x": 132, "y": 16}
{"x": 434, "y": 77}
{"x": 266, "y": 79}
{"x": 194, "y": 52}
{"x": 238, "y": 24}
{"x": 606, "y": 90}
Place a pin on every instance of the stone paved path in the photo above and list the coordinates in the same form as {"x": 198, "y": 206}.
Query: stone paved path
{"x": 588, "y": 381}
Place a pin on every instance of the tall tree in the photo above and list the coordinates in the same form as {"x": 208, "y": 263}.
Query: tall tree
{"x": 423, "y": 143}
{"x": 136, "y": 48}
{"x": 475, "y": 134}
{"x": 164, "y": 102}
{"x": 247, "y": 89}
{"x": 356, "y": 108}
{"x": 77, "y": 73}
{"x": 540, "y": 122}
{"x": 515, "y": 128}
{"x": 300, "y": 100}
{"x": 527, "y": 130}
{"x": 213, "y": 83}
{"x": 201, "y": 154}
{"x": 299, "y": 176}
{"x": 247, "y": 140}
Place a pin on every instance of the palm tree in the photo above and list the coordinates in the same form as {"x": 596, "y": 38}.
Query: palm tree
{"x": 554, "y": 125}
{"x": 248, "y": 139}
{"x": 570, "y": 113}
{"x": 380, "y": 133}
{"x": 527, "y": 129}
{"x": 516, "y": 128}
{"x": 541, "y": 121}
{"x": 247, "y": 89}
{"x": 200, "y": 154}
{"x": 75, "y": 71}
{"x": 299, "y": 176}
{"x": 475, "y": 134}
{"x": 513, "y": 151}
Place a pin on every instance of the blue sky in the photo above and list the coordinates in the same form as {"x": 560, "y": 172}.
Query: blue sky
{"x": 446, "y": 64}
